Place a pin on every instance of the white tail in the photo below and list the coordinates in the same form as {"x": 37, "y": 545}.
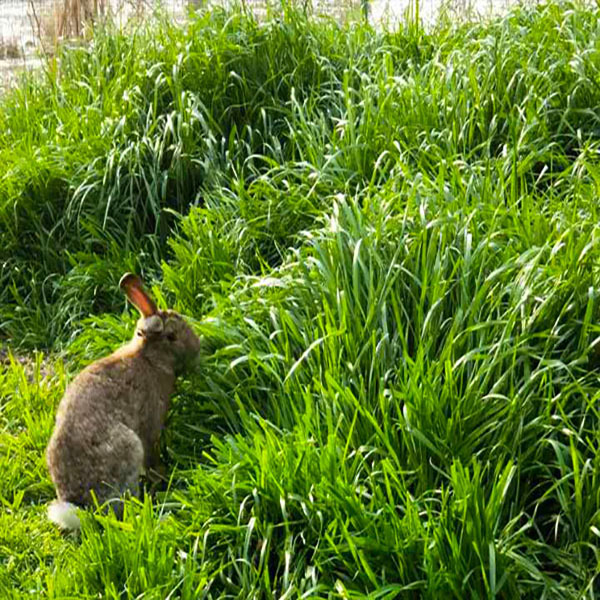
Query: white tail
{"x": 64, "y": 514}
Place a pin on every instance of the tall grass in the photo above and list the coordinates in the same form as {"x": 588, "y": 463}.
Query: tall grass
{"x": 389, "y": 242}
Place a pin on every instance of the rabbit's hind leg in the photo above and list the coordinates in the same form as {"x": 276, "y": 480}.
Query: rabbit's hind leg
{"x": 122, "y": 466}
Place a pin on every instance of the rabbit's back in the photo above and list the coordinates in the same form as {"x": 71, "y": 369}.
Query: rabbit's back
{"x": 105, "y": 390}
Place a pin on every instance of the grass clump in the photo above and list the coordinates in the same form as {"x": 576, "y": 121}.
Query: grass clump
{"x": 389, "y": 242}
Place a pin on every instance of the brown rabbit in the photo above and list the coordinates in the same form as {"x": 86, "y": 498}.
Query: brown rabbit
{"x": 109, "y": 421}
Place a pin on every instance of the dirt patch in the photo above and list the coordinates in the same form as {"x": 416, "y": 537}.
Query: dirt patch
{"x": 29, "y": 364}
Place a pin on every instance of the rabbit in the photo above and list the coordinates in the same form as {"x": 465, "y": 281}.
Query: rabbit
{"x": 109, "y": 420}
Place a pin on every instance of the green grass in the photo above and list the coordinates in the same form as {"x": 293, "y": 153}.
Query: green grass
{"x": 389, "y": 242}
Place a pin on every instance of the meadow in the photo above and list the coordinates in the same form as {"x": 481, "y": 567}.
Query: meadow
{"x": 389, "y": 242}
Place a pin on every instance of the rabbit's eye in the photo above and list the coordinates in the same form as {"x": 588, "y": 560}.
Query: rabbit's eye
{"x": 172, "y": 336}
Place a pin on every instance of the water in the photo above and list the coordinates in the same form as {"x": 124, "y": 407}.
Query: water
{"x": 23, "y": 23}
{"x": 20, "y": 26}
{"x": 15, "y": 26}
{"x": 17, "y": 22}
{"x": 394, "y": 11}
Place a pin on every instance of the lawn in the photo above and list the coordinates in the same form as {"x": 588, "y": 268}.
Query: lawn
{"x": 389, "y": 242}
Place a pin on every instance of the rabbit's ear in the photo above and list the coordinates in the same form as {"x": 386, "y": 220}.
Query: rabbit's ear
{"x": 133, "y": 286}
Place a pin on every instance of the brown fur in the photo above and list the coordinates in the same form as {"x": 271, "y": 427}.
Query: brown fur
{"x": 109, "y": 421}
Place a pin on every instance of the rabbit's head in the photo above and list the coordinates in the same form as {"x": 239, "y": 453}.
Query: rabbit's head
{"x": 164, "y": 332}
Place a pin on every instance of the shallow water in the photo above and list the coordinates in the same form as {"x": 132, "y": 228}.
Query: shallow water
{"x": 429, "y": 10}
{"x": 18, "y": 22}
{"x": 19, "y": 27}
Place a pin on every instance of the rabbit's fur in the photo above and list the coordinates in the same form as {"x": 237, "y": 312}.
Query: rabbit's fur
{"x": 109, "y": 421}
